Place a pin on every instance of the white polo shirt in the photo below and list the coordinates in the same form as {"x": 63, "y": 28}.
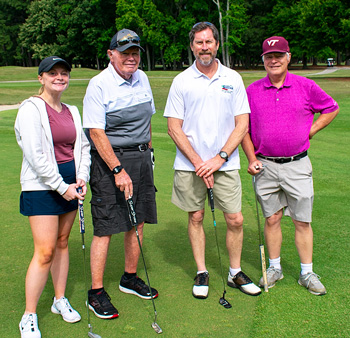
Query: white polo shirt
{"x": 208, "y": 108}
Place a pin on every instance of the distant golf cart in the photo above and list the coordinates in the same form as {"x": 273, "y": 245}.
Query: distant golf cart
{"x": 330, "y": 62}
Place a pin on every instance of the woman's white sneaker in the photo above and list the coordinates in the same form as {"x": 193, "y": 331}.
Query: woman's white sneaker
{"x": 28, "y": 326}
{"x": 63, "y": 308}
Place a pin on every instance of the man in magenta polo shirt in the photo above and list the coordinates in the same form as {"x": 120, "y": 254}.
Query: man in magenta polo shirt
{"x": 283, "y": 106}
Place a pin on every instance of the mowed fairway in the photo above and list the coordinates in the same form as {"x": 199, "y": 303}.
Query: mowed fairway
{"x": 287, "y": 310}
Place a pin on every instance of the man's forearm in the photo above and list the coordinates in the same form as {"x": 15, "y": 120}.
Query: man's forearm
{"x": 104, "y": 148}
{"x": 248, "y": 148}
{"x": 237, "y": 134}
{"x": 321, "y": 122}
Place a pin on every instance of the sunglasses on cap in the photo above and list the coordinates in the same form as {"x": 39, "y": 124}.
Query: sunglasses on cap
{"x": 205, "y": 22}
{"x": 127, "y": 39}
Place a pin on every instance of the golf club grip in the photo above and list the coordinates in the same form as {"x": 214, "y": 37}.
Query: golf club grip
{"x": 211, "y": 198}
{"x": 81, "y": 213}
{"x": 263, "y": 267}
{"x": 131, "y": 210}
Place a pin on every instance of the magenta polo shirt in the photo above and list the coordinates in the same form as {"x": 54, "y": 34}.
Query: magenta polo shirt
{"x": 281, "y": 118}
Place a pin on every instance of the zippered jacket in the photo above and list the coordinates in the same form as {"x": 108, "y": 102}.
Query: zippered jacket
{"x": 33, "y": 134}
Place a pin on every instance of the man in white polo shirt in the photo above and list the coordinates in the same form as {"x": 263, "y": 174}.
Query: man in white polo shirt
{"x": 118, "y": 107}
{"x": 208, "y": 114}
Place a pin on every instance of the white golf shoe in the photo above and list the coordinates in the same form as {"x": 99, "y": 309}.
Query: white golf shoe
{"x": 28, "y": 326}
{"x": 63, "y": 308}
{"x": 244, "y": 283}
{"x": 201, "y": 285}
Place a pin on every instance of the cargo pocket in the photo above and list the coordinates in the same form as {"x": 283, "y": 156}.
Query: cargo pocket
{"x": 104, "y": 207}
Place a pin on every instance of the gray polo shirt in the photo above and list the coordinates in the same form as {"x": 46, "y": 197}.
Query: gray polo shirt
{"x": 122, "y": 108}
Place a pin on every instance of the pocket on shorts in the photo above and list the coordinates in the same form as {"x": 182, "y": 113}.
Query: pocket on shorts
{"x": 104, "y": 207}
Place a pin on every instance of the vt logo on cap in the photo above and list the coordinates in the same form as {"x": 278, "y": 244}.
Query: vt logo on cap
{"x": 276, "y": 44}
{"x": 272, "y": 42}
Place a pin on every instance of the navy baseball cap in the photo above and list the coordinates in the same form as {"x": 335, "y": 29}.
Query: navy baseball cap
{"x": 125, "y": 39}
{"x": 275, "y": 44}
{"x": 46, "y": 64}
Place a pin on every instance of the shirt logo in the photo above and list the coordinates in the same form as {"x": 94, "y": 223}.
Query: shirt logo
{"x": 272, "y": 42}
{"x": 227, "y": 88}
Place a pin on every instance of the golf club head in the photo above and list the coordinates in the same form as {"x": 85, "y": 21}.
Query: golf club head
{"x": 93, "y": 335}
{"x": 225, "y": 303}
{"x": 156, "y": 327}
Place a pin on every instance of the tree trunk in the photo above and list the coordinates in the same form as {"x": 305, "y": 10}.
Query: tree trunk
{"x": 227, "y": 35}
{"x": 338, "y": 58}
{"x": 217, "y": 3}
{"x": 148, "y": 58}
{"x": 162, "y": 58}
{"x": 304, "y": 61}
{"x": 190, "y": 58}
{"x": 97, "y": 63}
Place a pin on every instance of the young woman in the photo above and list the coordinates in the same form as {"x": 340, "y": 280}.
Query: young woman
{"x": 56, "y": 161}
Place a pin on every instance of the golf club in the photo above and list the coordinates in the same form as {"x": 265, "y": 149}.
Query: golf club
{"x": 261, "y": 244}
{"x": 133, "y": 220}
{"x": 82, "y": 231}
{"x": 222, "y": 300}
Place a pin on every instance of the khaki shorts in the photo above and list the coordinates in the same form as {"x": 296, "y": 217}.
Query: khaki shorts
{"x": 287, "y": 186}
{"x": 190, "y": 191}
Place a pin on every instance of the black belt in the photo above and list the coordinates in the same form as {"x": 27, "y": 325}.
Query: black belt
{"x": 285, "y": 159}
{"x": 140, "y": 147}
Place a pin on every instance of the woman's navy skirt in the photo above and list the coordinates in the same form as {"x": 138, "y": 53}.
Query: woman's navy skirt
{"x": 48, "y": 202}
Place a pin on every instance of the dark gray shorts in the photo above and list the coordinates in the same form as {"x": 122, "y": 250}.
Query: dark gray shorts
{"x": 108, "y": 206}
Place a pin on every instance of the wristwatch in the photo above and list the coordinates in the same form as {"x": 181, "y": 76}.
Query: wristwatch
{"x": 223, "y": 154}
{"x": 117, "y": 169}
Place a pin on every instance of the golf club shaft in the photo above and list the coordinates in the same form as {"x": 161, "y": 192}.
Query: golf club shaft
{"x": 261, "y": 244}
{"x": 211, "y": 201}
{"x": 82, "y": 231}
{"x": 134, "y": 223}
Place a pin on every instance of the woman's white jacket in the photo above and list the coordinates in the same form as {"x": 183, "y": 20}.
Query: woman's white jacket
{"x": 33, "y": 134}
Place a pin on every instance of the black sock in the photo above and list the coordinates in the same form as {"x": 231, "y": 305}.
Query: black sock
{"x": 129, "y": 275}
{"x": 94, "y": 291}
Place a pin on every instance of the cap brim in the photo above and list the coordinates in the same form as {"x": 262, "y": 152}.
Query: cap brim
{"x": 274, "y": 51}
{"x": 127, "y": 46}
{"x": 50, "y": 66}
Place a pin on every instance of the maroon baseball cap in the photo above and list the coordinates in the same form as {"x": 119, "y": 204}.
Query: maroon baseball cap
{"x": 277, "y": 44}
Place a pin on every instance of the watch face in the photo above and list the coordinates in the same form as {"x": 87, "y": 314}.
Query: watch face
{"x": 117, "y": 169}
{"x": 223, "y": 155}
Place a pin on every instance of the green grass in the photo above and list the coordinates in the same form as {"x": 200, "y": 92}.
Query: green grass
{"x": 287, "y": 310}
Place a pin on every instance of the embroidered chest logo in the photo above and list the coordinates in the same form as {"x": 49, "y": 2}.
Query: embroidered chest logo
{"x": 227, "y": 89}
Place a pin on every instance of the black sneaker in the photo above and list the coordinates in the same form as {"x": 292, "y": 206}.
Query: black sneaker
{"x": 136, "y": 286}
{"x": 100, "y": 304}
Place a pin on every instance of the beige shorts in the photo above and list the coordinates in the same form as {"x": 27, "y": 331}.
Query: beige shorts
{"x": 190, "y": 191}
{"x": 287, "y": 186}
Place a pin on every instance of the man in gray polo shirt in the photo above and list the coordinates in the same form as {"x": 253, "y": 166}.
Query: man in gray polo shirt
{"x": 118, "y": 107}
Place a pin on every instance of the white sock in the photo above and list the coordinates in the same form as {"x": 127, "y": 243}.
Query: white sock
{"x": 233, "y": 272}
{"x": 305, "y": 268}
{"x": 276, "y": 263}
{"x": 198, "y": 272}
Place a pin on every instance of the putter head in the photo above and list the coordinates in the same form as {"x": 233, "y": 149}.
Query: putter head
{"x": 225, "y": 303}
{"x": 93, "y": 335}
{"x": 156, "y": 327}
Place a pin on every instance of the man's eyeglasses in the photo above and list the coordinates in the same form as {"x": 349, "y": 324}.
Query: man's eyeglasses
{"x": 206, "y": 22}
{"x": 127, "y": 39}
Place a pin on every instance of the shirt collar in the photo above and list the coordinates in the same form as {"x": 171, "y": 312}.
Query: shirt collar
{"x": 287, "y": 81}
{"x": 198, "y": 74}
{"x": 120, "y": 80}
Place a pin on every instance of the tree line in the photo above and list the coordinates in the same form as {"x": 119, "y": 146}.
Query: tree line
{"x": 80, "y": 30}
